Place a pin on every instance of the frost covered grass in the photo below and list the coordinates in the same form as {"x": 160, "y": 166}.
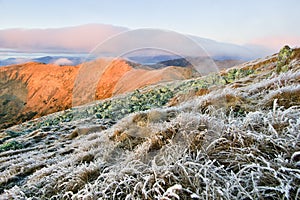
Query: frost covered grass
{"x": 231, "y": 142}
{"x": 207, "y": 157}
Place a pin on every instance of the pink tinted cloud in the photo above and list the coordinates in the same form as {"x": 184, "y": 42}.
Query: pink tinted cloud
{"x": 276, "y": 42}
{"x": 79, "y": 38}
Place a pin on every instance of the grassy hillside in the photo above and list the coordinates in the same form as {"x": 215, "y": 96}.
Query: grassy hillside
{"x": 232, "y": 135}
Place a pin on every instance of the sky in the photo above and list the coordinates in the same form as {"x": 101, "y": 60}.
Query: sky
{"x": 263, "y": 22}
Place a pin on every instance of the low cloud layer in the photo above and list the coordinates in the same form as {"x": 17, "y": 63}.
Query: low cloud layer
{"x": 86, "y": 37}
{"x": 79, "y": 38}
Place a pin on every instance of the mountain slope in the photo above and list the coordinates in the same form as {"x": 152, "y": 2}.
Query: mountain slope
{"x": 41, "y": 89}
{"x": 33, "y": 90}
{"x": 233, "y": 135}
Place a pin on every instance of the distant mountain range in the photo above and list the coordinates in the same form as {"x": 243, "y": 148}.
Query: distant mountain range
{"x": 58, "y": 60}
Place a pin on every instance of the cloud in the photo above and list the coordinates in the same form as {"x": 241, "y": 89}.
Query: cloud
{"x": 86, "y": 37}
{"x": 63, "y": 61}
{"x": 80, "y": 38}
{"x": 174, "y": 43}
{"x": 221, "y": 50}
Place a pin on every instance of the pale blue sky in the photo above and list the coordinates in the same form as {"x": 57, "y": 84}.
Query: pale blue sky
{"x": 237, "y": 21}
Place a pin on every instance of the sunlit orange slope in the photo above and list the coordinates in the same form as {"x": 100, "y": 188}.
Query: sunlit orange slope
{"x": 35, "y": 89}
